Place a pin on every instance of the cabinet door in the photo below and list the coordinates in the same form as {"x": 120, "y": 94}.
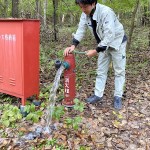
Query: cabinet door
{"x": 11, "y": 57}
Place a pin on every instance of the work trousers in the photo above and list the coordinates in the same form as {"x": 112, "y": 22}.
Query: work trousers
{"x": 118, "y": 58}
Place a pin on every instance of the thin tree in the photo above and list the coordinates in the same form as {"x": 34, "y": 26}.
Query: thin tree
{"x": 132, "y": 24}
{"x": 15, "y": 12}
{"x": 55, "y": 5}
{"x": 45, "y": 8}
{"x": 37, "y": 8}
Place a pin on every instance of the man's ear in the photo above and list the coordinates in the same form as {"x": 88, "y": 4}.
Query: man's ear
{"x": 94, "y": 4}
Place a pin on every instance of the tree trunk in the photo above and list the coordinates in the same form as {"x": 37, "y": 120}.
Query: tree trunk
{"x": 45, "y": 8}
{"x": 132, "y": 24}
{"x": 139, "y": 16}
{"x": 37, "y": 9}
{"x": 55, "y": 4}
{"x": 15, "y": 4}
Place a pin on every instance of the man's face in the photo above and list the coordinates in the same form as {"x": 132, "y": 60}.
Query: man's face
{"x": 87, "y": 8}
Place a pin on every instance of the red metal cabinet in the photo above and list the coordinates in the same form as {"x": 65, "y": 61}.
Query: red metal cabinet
{"x": 19, "y": 57}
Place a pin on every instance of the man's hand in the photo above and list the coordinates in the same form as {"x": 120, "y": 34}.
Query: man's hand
{"x": 69, "y": 50}
{"x": 91, "y": 53}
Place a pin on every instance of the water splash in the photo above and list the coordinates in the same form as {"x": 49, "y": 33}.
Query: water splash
{"x": 52, "y": 99}
{"x": 39, "y": 131}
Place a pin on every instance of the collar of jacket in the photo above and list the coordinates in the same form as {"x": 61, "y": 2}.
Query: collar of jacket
{"x": 94, "y": 12}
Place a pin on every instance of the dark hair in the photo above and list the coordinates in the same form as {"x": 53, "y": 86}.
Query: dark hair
{"x": 84, "y": 2}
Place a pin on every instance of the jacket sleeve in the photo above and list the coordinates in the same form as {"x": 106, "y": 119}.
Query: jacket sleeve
{"x": 108, "y": 27}
{"x": 81, "y": 28}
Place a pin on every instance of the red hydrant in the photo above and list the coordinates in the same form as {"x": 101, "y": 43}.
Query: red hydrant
{"x": 69, "y": 81}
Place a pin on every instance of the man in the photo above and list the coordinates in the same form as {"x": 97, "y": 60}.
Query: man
{"x": 111, "y": 40}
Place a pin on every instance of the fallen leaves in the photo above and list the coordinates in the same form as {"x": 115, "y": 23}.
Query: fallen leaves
{"x": 4, "y": 142}
{"x": 102, "y": 127}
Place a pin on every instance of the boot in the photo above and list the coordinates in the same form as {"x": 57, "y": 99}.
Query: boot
{"x": 117, "y": 103}
{"x": 93, "y": 99}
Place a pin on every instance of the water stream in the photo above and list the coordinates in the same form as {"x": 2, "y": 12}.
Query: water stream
{"x": 52, "y": 99}
{"x": 49, "y": 112}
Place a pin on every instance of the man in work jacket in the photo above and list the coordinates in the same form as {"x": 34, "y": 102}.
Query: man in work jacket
{"x": 111, "y": 39}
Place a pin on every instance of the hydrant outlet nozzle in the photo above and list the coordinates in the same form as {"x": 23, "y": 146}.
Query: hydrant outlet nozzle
{"x": 57, "y": 64}
{"x": 66, "y": 65}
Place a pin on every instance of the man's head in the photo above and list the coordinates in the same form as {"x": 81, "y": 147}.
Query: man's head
{"x": 84, "y": 2}
{"x": 86, "y": 5}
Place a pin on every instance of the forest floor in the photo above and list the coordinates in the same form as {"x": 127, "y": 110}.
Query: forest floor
{"x": 101, "y": 127}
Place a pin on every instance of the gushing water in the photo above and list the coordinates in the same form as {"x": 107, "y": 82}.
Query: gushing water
{"x": 52, "y": 99}
{"x": 49, "y": 112}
